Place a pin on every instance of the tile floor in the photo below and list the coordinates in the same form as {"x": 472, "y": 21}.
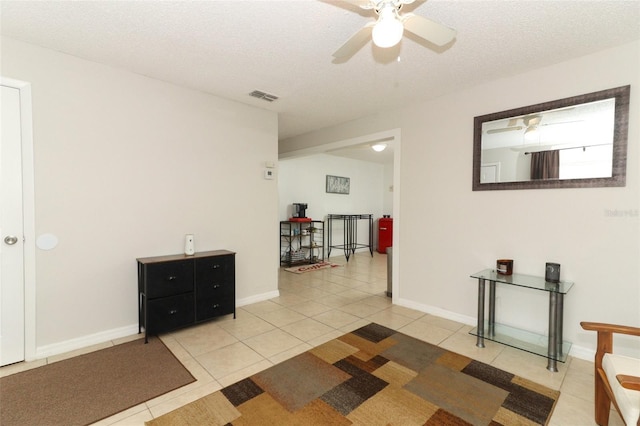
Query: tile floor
{"x": 319, "y": 306}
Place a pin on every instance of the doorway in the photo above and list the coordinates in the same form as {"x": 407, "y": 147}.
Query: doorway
{"x": 392, "y": 136}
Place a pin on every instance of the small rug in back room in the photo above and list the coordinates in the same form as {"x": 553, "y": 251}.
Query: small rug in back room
{"x": 312, "y": 267}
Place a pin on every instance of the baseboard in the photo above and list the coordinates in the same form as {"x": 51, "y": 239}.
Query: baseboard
{"x": 575, "y": 351}
{"x": 116, "y": 333}
{"x": 433, "y": 310}
{"x": 257, "y": 298}
{"x": 84, "y": 341}
{"x": 582, "y": 353}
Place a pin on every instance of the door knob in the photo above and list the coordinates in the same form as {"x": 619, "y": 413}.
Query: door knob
{"x": 10, "y": 239}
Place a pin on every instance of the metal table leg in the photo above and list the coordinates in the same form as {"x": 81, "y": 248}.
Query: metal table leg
{"x": 346, "y": 236}
{"x": 353, "y": 234}
{"x": 329, "y": 233}
{"x": 371, "y": 235}
{"x": 480, "y": 337}
{"x": 559, "y": 323}
{"x": 492, "y": 308}
{"x": 552, "y": 348}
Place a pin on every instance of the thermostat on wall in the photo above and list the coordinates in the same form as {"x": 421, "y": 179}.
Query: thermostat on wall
{"x": 269, "y": 174}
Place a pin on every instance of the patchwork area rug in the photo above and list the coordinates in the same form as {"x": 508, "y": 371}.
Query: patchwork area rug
{"x": 90, "y": 387}
{"x": 312, "y": 267}
{"x": 374, "y": 376}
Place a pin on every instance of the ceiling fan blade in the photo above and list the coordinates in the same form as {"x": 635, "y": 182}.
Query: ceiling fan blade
{"x": 561, "y": 122}
{"x": 372, "y": 4}
{"x": 355, "y": 43}
{"x": 506, "y": 129}
{"x": 427, "y": 29}
{"x": 365, "y": 4}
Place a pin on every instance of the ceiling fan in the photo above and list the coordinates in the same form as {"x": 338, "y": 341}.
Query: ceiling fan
{"x": 530, "y": 123}
{"x": 387, "y": 31}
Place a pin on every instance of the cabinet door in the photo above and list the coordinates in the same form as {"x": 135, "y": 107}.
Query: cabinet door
{"x": 169, "y": 278}
{"x": 215, "y": 276}
{"x": 210, "y": 307}
{"x": 385, "y": 234}
{"x": 215, "y": 286}
{"x": 168, "y": 313}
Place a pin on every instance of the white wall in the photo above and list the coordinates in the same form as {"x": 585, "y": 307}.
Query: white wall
{"x": 303, "y": 180}
{"x": 448, "y": 231}
{"x": 125, "y": 166}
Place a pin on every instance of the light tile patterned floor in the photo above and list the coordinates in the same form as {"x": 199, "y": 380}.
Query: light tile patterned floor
{"x": 319, "y": 306}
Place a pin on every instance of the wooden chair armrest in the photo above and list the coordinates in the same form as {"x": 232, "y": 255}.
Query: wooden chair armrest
{"x": 610, "y": 328}
{"x": 629, "y": 382}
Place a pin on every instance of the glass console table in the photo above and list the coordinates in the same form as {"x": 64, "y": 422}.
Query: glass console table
{"x": 554, "y": 349}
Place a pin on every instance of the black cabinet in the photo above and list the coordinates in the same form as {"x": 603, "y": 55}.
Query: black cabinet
{"x": 301, "y": 242}
{"x": 179, "y": 290}
{"x": 215, "y": 287}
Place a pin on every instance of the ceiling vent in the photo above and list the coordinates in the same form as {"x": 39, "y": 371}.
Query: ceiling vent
{"x": 262, "y": 95}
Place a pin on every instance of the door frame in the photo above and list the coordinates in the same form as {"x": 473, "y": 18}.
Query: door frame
{"x": 394, "y": 135}
{"x": 28, "y": 204}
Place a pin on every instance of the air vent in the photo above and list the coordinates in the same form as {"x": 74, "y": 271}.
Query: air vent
{"x": 262, "y": 95}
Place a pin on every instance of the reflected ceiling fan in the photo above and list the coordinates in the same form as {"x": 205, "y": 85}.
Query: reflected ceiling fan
{"x": 387, "y": 31}
{"x": 532, "y": 122}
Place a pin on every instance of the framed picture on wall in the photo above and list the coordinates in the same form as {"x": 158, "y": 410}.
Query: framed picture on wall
{"x": 338, "y": 184}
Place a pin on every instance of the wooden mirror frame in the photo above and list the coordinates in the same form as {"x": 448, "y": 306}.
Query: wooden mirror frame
{"x": 619, "y": 164}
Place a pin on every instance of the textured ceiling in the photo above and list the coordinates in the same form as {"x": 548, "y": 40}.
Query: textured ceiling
{"x": 229, "y": 48}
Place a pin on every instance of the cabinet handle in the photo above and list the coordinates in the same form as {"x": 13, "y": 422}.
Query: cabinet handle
{"x": 173, "y": 312}
{"x": 216, "y": 286}
{"x": 216, "y": 266}
{"x": 172, "y": 278}
{"x": 216, "y": 306}
{"x": 383, "y": 229}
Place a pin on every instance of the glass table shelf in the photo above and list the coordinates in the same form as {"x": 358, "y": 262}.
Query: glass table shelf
{"x": 524, "y": 340}
{"x": 522, "y": 280}
{"x": 552, "y": 346}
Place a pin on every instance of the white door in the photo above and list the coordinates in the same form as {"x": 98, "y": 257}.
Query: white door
{"x": 11, "y": 231}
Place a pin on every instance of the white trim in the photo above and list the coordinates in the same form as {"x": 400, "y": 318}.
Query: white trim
{"x": 321, "y": 149}
{"x": 28, "y": 197}
{"x": 257, "y": 298}
{"x": 116, "y": 333}
{"x": 575, "y": 351}
{"x": 433, "y": 310}
{"x": 395, "y": 136}
{"x": 396, "y": 247}
{"x": 582, "y": 353}
{"x": 85, "y": 341}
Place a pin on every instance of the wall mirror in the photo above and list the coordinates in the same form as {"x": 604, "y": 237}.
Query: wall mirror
{"x": 574, "y": 142}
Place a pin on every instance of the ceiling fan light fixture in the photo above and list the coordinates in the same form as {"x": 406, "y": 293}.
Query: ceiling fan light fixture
{"x": 379, "y": 147}
{"x": 388, "y": 30}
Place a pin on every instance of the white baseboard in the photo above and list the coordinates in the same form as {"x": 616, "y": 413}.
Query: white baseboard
{"x": 582, "y": 353}
{"x": 84, "y": 341}
{"x": 116, "y": 333}
{"x": 575, "y": 351}
{"x": 257, "y": 298}
{"x": 433, "y": 310}
{"x": 104, "y": 336}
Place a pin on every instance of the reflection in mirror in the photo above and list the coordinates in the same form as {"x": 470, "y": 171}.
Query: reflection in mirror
{"x": 573, "y": 142}
{"x": 582, "y": 135}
